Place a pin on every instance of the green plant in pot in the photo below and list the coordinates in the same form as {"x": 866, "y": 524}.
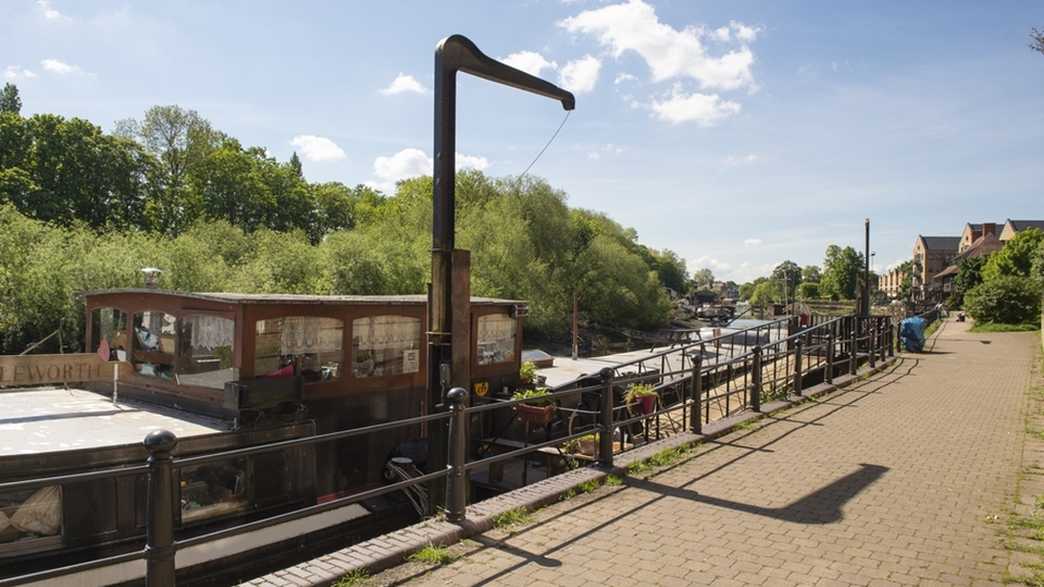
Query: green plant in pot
{"x": 641, "y": 395}
{"x": 586, "y": 445}
{"x": 537, "y": 407}
{"x": 527, "y": 374}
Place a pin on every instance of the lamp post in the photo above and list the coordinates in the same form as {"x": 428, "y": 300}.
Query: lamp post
{"x": 448, "y": 299}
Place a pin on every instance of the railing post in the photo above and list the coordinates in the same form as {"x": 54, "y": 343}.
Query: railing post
{"x": 159, "y": 531}
{"x": 853, "y": 349}
{"x": 755, "y": 380}
{"x": 871, "y": 342}
{"x": 882, "y": 339}
{"x": 696, "y": 422}
{"x": 605, "y": 436}
{"x": 457, "y": 456}
{"x": 893, "y": 338}
{"x": 797, "y": 365}
{"x": 830, "y": 354}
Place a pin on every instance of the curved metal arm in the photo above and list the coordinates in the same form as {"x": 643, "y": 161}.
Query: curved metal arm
{"x": 458, "y": 53}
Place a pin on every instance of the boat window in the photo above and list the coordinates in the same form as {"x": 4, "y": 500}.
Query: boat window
{"x": 154, "y": 337}
{"x": 308, "y": 346}
{"x": 385, "y": 345}
{"x": 496, "y": 339}
{"x": 205, "y": 353}
{"x": 109, "y": 326}
{"x": 213, "y": 490}
{"x": 29, "y": 515}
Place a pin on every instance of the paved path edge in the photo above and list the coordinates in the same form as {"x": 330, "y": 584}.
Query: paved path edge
{"x": 389, "y": 550}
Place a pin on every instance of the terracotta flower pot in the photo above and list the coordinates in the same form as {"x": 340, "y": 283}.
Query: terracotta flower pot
{"x": 535, "y": 414}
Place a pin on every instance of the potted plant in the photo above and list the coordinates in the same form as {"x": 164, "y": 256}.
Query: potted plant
{"x": 527, "y": 374}
{"x": 643, "y": 395}
{"x": 537, "y": 408}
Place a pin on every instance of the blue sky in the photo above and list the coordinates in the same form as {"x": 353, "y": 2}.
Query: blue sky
{"x": 736, "y": 133}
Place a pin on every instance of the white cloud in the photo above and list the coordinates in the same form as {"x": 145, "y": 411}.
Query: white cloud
{"x": 49, "y": 11}
{"x": 594, "y": 155}
{"x": 708, "y": 262}
{"x": 580, "y": 76}
{"x": 404, "y": 83}
{"x": 624, "y": 77}
{"x": 721, "y": 34}
{"x": 669, "y": 52}
{"x": 606, "y": 149}
{"x": 317, "y": 149}
{"x": 747, "y": 34}
{"x": 703, "y": 109}
{"x": 752, "y": 242}
{"x": 13, "y": 73}
{"x": 747, "y": 159}
{"x": 59, "y": 67}
{"x": 413, "y": 162}
{"x": 530, "y": 62}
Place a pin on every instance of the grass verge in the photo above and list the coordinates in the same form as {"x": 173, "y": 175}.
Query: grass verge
{"x": 1002, "y": 327}
{"x": 512, "y": 518}
{"x": 433, "y": 555}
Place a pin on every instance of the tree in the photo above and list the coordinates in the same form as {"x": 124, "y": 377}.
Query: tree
{"x": 841, "y": 269}
{"x": 788, "y": 273}
{"x": 969, "y": 275}
{"x": 808, "y": 290}
{"x": 1016, "y": 258}
{"x": 1037, "y": 40}
{"x": 811, "y": 273}
{"x": 9, "y": 100}
{"x": 1007, "y": 299}
{"x": 769, "y": 291}
{"x": 295, "y": 165}
{"x": 702, "y": 279}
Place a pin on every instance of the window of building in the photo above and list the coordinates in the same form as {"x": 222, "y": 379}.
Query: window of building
{"x": 385, "y": 345}
{"x": 308, "y": 346}
{"x": 27, "y": 516}
{"x": 205, "y": 353}
{"x": 155, "y": 335}
{"x": 496, "y": 339}
{"x": 109, "y": 326}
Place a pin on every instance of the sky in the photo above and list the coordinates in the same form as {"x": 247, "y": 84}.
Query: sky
{"x": 737, "y": 134}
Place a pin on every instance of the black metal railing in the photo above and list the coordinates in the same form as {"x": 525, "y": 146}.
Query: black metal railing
{"x": 746, "y": 369}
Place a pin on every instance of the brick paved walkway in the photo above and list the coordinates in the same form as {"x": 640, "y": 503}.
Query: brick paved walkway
{"x": 892, "y": 481}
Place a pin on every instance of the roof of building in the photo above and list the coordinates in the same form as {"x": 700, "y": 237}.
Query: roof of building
{"x": 1024, "y": 224}
{"x": 978, "y": 225}
{"x": 277, "y": 298}
{"x": 984, "y": 245}
{"x": 945, "y": 243}
{"x": 951, "y": 270}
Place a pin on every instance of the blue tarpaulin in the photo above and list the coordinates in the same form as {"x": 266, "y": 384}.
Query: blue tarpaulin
{"x": 911, "y": 332}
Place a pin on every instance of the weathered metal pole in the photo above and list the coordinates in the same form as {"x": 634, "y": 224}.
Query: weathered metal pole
{"x": 456, "y": 482}
{"x": 452, "y": 54}
{"x": 830, "y": 353}
{"x": 605, "y": 435}
{"x": 159, "y": 529}
{"x": 755, "y": 380}
{"x": 797, "y": 366}
{"x": 696, "y": 415}
{"x": 866, "y": 270}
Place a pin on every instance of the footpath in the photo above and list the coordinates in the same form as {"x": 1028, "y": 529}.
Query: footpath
{"x": 906, "y": 477}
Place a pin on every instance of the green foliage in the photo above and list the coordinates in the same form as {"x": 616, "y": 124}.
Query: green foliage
{"x": 768, "y": 291}
{"x": 841, "y": 270}
{"x": 511, "y": 518}
{"x": 808, "y": 290}
{"x": 534, "y": 397}
{"x": 527, "y": 372}
{"x": 613, "y": 480}
{"x": 969, "y": 275}
{"x": 1017, "y": 256}
{"x": 811, "y": 273}
{"x": 433, "y": 555}
{"x": 587, "y": 486}
{"x": 635, "y": 391}
{"x": 788, "y": 273}
{"x": 1004, "y": 299}
{"x": 353, "y": 579}
{"x": 9, "y": 100}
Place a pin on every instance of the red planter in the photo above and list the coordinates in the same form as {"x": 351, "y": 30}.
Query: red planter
{"x": 540, "y": 415}
{"x": 647, "y": 404}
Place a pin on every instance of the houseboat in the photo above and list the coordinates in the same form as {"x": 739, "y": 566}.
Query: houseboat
{"x": 226, "y": 370}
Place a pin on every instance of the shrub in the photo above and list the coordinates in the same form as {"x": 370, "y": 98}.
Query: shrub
{"x": 534, "y": 397}
{"x": 638, "y": 390}
{"x": 1008, "y": 299}
{"x": 527, "y": 373}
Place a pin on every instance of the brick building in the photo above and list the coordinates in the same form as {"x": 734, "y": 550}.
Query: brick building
{"x": 931, "y": 255}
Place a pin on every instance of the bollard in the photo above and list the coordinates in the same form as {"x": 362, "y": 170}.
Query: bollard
{"x": 797, "y": 366}
{"x": 755, "y": 380}
{"x": 457, "y": 482}
{"x": 159, "y": 532}
{"x": 697, "y": 397}
{"x": 605, "y": 438}
{"x": 830, "y": 356}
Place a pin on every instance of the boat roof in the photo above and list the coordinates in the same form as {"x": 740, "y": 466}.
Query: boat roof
{"x": 281, "y": 298}
{"x": 55, "y": 419}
